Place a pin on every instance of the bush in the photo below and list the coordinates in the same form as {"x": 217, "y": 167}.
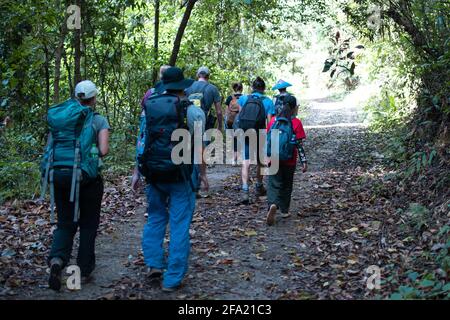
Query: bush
{"x": 19, "y": 166}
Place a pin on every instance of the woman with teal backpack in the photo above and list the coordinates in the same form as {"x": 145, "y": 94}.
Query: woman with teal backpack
{"x": 280, "y": 185}
{"x": 78, "y": 139}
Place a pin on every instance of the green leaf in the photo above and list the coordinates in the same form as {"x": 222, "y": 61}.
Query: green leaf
{"x": 413, "y": 276}
{"x": 427, "y": 283}
{"x": 446, "y": 288}
{"x": 328, "y": 64}
{"x": 396, "y": 296}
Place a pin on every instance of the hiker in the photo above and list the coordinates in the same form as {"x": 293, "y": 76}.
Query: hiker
{"x": 256, "y": 110}
{"x": 135, "y": 180}
{"x": 153, "y": 91}
{"x": 78, "y": 139}
{"x": 232, "y": 112}
{"x": 169, "y": 187}
{"x": 280, "y": 186}
{"x": 204, "y": 94}
{"x": 281, "y": 86}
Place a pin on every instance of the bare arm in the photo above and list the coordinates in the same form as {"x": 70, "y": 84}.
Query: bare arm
{"x": 103, "y": 142}
{"x": 219, "y": 115}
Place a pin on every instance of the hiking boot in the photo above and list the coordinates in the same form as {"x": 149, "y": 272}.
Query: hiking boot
{"x": 154, "y": 273}
{"x": 86, "y": 279}
{"x": 261, "y": 191}
{"x": 54, "y": 281}
{"x": 271, "y": 216}
{"x": 245, "y": 197}
{"x": 170, "y": 289}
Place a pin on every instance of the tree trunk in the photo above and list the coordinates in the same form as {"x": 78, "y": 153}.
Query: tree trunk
{"x": 58, "y": 57}
{"x": 156, "y": 44}
{"x": 47, "y": 77}
{"x": 177, "y": 44}
{"x": 401, "y": 18}
{"x": 77, "y": 73}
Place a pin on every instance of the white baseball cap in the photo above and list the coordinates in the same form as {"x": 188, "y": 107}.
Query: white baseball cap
{"x": 85, "y": 90}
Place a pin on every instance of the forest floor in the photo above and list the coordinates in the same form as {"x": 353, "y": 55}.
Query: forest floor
{"x": 342, "y": 221}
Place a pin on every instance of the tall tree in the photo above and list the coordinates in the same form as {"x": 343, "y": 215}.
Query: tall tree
{"x": 156, "y": 43}
{"x": 77, "y": 73}
{"x": 184, "y": 22}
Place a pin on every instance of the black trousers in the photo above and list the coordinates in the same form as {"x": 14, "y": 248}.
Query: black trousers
{"x": 279, "y": 190}
{"x": 91, "y": 194}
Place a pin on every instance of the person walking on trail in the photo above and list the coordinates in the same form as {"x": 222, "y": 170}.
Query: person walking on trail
{"x": 291, "y": 135}
{"x": 169, "y": 187}
{"x": 233, "y": 108}
{"x": 154, "y": 90}
{"x": 142, "y": 122}
{"x": 281, "y": 86}
{"x": 206, "y": 95}
{"x": 78, "y": 139}
{"x": 256, "y": 111}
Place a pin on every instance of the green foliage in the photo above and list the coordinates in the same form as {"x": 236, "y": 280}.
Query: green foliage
{"x": 19, "y": 166}
{"x": 342, "y": 63}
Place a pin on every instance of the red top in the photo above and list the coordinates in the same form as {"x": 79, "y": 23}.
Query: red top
{"x": 299, "y": 134}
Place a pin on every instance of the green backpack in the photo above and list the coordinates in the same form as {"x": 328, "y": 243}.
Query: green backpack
{"x": 72, "y": 145}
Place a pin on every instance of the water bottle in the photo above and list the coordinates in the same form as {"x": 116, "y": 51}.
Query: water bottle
{"x": 94, "y": 152}
{"x": 95, "y": 155}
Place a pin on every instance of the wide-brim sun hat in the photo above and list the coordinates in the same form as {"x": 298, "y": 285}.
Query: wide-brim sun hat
{"x": 173, "y": 79}
{"x": 281, "y": 84}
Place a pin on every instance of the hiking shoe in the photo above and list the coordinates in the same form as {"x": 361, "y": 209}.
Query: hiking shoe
{"x": 86, "y": 279}
{"x": 154, "y": 273}
{"x": 170, "y": 289}
{"x": 285, "y": 215}
{"x": 271, "y": 216}
{"x": 54, "y": 281}
{"x": 261, "y": 191}
{"x": 245, "y": 197}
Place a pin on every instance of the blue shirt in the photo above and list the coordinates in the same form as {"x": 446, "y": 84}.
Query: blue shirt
{"x": 267, "y": 102}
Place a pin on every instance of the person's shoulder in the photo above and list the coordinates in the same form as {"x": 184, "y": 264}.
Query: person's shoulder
{"x": 100, "y": 122}
{"x": 267, "y": 100}
{"x": 99, "y": 117}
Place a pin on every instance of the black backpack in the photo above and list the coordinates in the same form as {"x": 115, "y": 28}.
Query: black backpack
{"x": 279, "y": 102}
{"x": 253, "y": 114}
{"x": 164, "y": 114}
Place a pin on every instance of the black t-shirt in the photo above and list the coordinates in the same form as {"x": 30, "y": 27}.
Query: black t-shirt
{"x": 228, "y": 101}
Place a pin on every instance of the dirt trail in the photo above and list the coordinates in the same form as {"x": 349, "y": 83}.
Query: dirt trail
{"x": 235, "y": 255}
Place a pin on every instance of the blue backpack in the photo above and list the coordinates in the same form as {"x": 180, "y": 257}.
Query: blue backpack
{"x": 73, "y": 138}
{"x": 285, "y": 149}
{"x": 164, "y": 114}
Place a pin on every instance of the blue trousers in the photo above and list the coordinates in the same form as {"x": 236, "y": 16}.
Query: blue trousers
{"x": 169, "y": 204}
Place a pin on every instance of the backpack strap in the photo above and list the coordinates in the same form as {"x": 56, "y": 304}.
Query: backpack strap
{"x": 76, "y": 179}
{"x": 203, "y": 98}
{"x": 76, "y": 213}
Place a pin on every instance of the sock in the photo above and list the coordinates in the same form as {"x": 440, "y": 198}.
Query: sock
{"x": 245, "y": 187}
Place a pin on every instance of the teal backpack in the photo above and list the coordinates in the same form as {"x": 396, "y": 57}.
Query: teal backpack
{"x": 285, "y": 148}
{"x": 72, "y": 145}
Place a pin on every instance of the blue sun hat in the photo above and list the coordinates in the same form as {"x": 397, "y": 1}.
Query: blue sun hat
{"x": 281, "y": 84}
